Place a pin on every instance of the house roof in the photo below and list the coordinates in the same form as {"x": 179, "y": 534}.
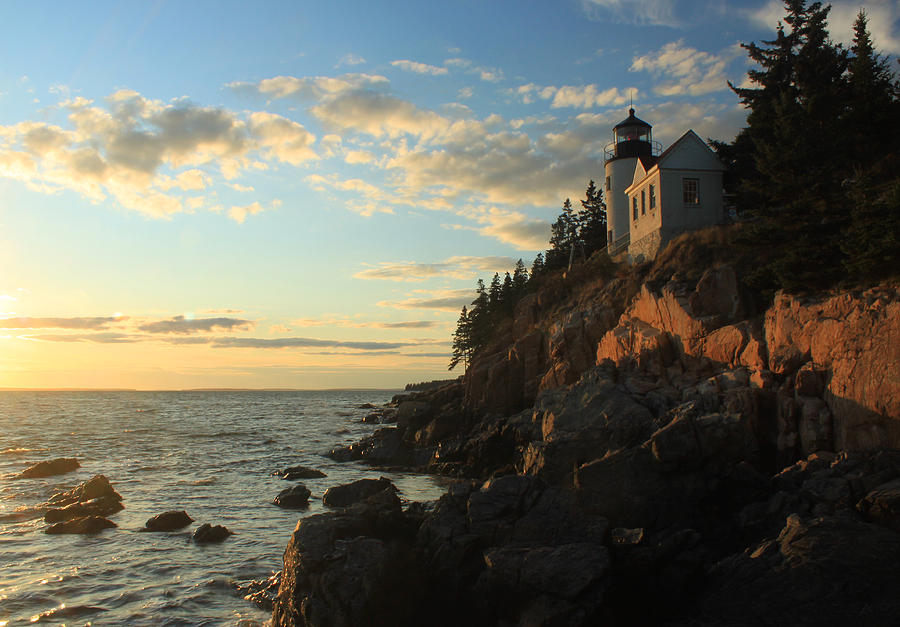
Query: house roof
{"x": 645, "y": 165}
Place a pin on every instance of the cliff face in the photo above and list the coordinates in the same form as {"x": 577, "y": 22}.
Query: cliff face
{"x": 824, "y": 372}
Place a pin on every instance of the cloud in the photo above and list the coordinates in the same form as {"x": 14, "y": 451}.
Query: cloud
{"x": 445, "y": 300}
{"x": 377, "y": 114}
{"x": 143, "y": 152}
{"x": 180, "y": 324}
{"x": 350, "y": 59}
{"x": 419, "y": 68}
{"x": 883, "y": 16}
{"x": 301, "y": 342}
{"x": 239, "y": 213}
{"x": 58, "y": 323}
{"x": 346, "y": 322}
{"x": 580, "y": 96}
{"x": 465, "y": 93}
{"x": 282, "y": 139}
{"x": 228, "y": 342}
{"x": 311, "y": 88}
{"x": 99, "y": 338}
{"x": 487, "y": 74}
{"x": 459, "y": 267}
{"x": 409, "y": 324}
{"x": 359, "y": 156}
{"x": 640, "y": 12}
{"x": 687, "y": 71}
{"x": 511, "y": 227}
{"x": 501, "y": 168}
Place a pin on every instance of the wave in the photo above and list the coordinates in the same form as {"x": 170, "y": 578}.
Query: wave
{"x": 19, "y": 450}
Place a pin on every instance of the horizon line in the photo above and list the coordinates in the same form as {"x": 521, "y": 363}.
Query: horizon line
{"x": 84, "y": 389}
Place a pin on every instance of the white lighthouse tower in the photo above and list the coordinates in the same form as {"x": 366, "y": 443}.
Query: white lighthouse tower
{"x": 631, "y": 141}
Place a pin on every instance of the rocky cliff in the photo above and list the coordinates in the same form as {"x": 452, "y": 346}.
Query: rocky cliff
{"x": 647, "y": 446}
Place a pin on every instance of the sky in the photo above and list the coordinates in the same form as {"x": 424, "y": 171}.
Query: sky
{"x": 303, "y": 194}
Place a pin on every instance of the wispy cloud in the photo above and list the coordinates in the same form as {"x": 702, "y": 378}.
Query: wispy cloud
{"x": 683, "y": 70}
{"x": 301, "y": 342}
{"x": 181, "y": 324}
{"x": 459, "y": 267}
{"x": 59, "y": 323}
{"x": 350, "y": 59}
{"x": 575, "y": 96}
{"x": 419, "y": 68}
{"x": 444, "y": 300}
{"x": 99, "y": 338}
{"x": 641, "y": 12}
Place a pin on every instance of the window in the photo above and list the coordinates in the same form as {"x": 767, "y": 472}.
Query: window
{"x": 610, "y": 235}
{"x": 607, "y": 183}
{"x": 690, "y": 189}
{"x": 643, "y": 203}
{"x": 653, "y": 197}
{"x": 634, "y": 208}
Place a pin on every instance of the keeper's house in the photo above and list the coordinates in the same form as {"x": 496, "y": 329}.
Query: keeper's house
{"x": 651, "y": 197}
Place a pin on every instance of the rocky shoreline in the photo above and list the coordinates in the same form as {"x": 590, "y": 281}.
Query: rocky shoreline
{"x": 664, "y": 452}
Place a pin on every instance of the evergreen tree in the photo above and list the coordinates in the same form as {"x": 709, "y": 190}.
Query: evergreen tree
{"x": 562, "y": 236}
{"x": 799, "y": 96}
{"x": 462, "y": 342}
{"x": 519, "y": 280}
{"x": 479, "y": 319}
{"x": 537, "y": 266}
{"x": 507, "y": 297}
{"x": 494, "y": 294}
{"x": 592, "y": 220}
{"x": 873, "y": 115}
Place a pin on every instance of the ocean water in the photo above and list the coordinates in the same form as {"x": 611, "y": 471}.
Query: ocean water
{"x": 209, "y": 453}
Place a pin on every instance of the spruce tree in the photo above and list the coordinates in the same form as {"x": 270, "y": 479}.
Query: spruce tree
{"x": 479, "y": 319}
{"x": 494, "y": 294}
{"x": 792, "y": 124}
{"x": 562, "y": 236}
{"x": 537, "y": 267}
{"x": 507, "y": 297}
{"x": 592, "y": 220}
{"x": 519, "y": 280}
{"x": 462, "y": 342}
{"x": 873, "y": 116}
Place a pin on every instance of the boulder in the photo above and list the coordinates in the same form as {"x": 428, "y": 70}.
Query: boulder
{"x": 583, "y": 423}
{"x": 345, "y": 568}
{"x": 49, "y": 468}
{"x": 89, "y": 524}
{"x": 96, "y": 487}
{"x": 299, "y": 472}
{"x": 384, "y": 447}
{"x": 100, "y": 506}
{"x": 832, "y": 570}
{"x": 882, "y": 505}
{"x": 295, "y": 497}
{"x": 413, "y": 415}
{"x": 168, "y": 521}
{"x": 207, "y": 533}
{"x": 356, "y": 491}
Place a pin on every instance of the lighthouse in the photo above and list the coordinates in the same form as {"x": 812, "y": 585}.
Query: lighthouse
{"x": 632, "y": 141}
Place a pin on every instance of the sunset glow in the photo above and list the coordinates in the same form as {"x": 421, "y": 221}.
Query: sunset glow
{"x": 295, "y": 195}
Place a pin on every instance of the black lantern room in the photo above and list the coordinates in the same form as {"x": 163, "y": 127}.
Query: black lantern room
{"x": 632, "y": 138}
